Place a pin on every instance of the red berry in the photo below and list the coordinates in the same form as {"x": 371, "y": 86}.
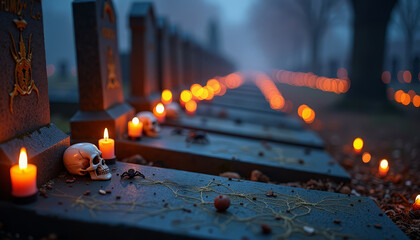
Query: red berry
{"x": 221, "y": 203}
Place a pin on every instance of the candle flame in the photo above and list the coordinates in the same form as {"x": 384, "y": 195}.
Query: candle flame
{"x": 106, "y": 136}
{"x": 366, "y": 157}
{"x": 358, "y": 144}
{"x": 191, "y": 106}
{"x": 23, "y": 159}
{"x": 166, "y": 96}
{"x": 418, "y": 199}
{"x": 160, "y": 108}
{"x": 186, "y": 96}
{"x": 384, "y": 163}
{"x": 135, "y": 121}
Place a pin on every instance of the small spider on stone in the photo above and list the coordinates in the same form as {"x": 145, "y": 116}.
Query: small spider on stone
{"x": 197, "y": 137}
{"x": 131, "y": 173}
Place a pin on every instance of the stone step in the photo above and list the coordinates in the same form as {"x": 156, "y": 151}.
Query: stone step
{"x": 171, "y": 204}
{"x": 280, "y": 162}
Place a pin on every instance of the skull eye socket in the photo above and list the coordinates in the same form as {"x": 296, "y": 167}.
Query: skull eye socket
{"x": 96, "y": 160}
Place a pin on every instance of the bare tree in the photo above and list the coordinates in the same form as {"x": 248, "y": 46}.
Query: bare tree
{"x": 287, "y": 27}
{"x": 370, "y": 25}
{"x": 408, "y": 19}
{"x": 317, "y": 16}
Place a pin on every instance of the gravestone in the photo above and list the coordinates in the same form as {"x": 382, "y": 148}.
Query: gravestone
{"x": 187, "y": 60}
{"x": 99, "y": 72}
{"x": 281, "y": 162}
{"x": 175, "y": 51}
{"x": 171, "y": 204}
{"x": 143, "y": 70}
{"x": 250, "y": 130}
{"x": 240, "y": 115}
{"x": 24, "y": 104}
{"x": 165, "y": 74}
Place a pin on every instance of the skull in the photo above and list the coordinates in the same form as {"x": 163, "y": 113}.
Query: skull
{"x": 150, "y": 123}
{"x": 172, "y": 110}
{"x": 83, "y": 158}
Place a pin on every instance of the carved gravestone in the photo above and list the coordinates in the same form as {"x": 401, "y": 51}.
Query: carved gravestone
{"x": 175, "y": 51}
{"x": 24, "y": 104}
{"x": 99, "y": 73}
{"x": 143, "y": 72}
{"x": 165, "y": 75}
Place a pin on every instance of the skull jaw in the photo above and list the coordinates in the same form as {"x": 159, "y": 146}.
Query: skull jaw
{"x": 102, "y": 177}
{"x": 152, "y": 133}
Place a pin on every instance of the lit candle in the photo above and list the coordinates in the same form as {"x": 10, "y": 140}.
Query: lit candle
{"x": 23, "y": 177}
{"x": 166, "y": 96}
{"x": 159, "y": 112}
{"x": 383, "y": 168}
{"x": 416, "y": 205}
{"x": 190, "y": 107}
{"x": 106, "y": 145}
{"x": 135, "y": 128}
{"x": 358, "y": 145}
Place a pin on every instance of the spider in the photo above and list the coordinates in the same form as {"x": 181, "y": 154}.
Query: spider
{"x": 197, "y": 137}
{"x": 177, "y": 131}
{"x": 131, "y": 173}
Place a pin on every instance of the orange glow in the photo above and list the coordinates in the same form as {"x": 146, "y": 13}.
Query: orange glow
{"x": 23, "y": 159}
{"x": 398, "y": 95}
{"x": 416, "y": 204}
{"x": 195, "y": 90}
{"x": 166, "y": 96}
{"x": 366, "y": 157}
{"x": 300, "y": 109}
{"x": 210, "y": 93}
{"x": 277, "y": 102}
{"x": 416, "y": 101}
{"x": 386, "y": 77}
{"x": 407, "y": 76}
{"x": 233, "y": 80}
{"x": 106, "y": 136}
{"x": 383, "y": 168}
{"x": 191, "y": 106}
{"x": 160, "y": 108}
{"x": 222, "y": 90}
{"x": 358, "y": 144}
{"x": 186, "y": 96}
{"x": 405, "y": 99}
{"x": 214, "y": 85}
{"x": 306, "y": 113}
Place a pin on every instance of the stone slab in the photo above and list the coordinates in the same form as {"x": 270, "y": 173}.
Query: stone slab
{"x": 91, "y": 124}
{"x": 249, "y": 130}
{"x": 282, "y": 163}
{"x": 143, "y": 62}
{"x": 45, "y": 147}
{"x": 165, "y": 74}
{"x": 172, "y": 204}
{"x": 240, "y": 115}
{"x": 175, "y": 52}
{"x": 31, "y": 110}
{"x": 98, "y": 58}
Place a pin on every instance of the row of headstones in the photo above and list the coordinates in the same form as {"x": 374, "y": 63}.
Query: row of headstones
{"x": 161, "y": 58}
{"x": 24, "y": 114}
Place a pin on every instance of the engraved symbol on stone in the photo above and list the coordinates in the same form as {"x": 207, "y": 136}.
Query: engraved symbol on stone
{"x": 24, "y": 84}
{"x": 108, "y": 11}
{"x": 110, "y": 66}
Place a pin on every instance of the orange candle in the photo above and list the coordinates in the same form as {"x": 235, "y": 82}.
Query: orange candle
{"x": 358, "y": 145}
{"x": 166, "y": 96}
{"x": 383, "y": 168}
{"x": 416, "y": 205}
{"x": 106, "y": 146}
{"x": 191, "y": 107}
{"x": 135, "y": 128}
{"x": 23, "y": 177}
{"x": 159, "y": 112}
